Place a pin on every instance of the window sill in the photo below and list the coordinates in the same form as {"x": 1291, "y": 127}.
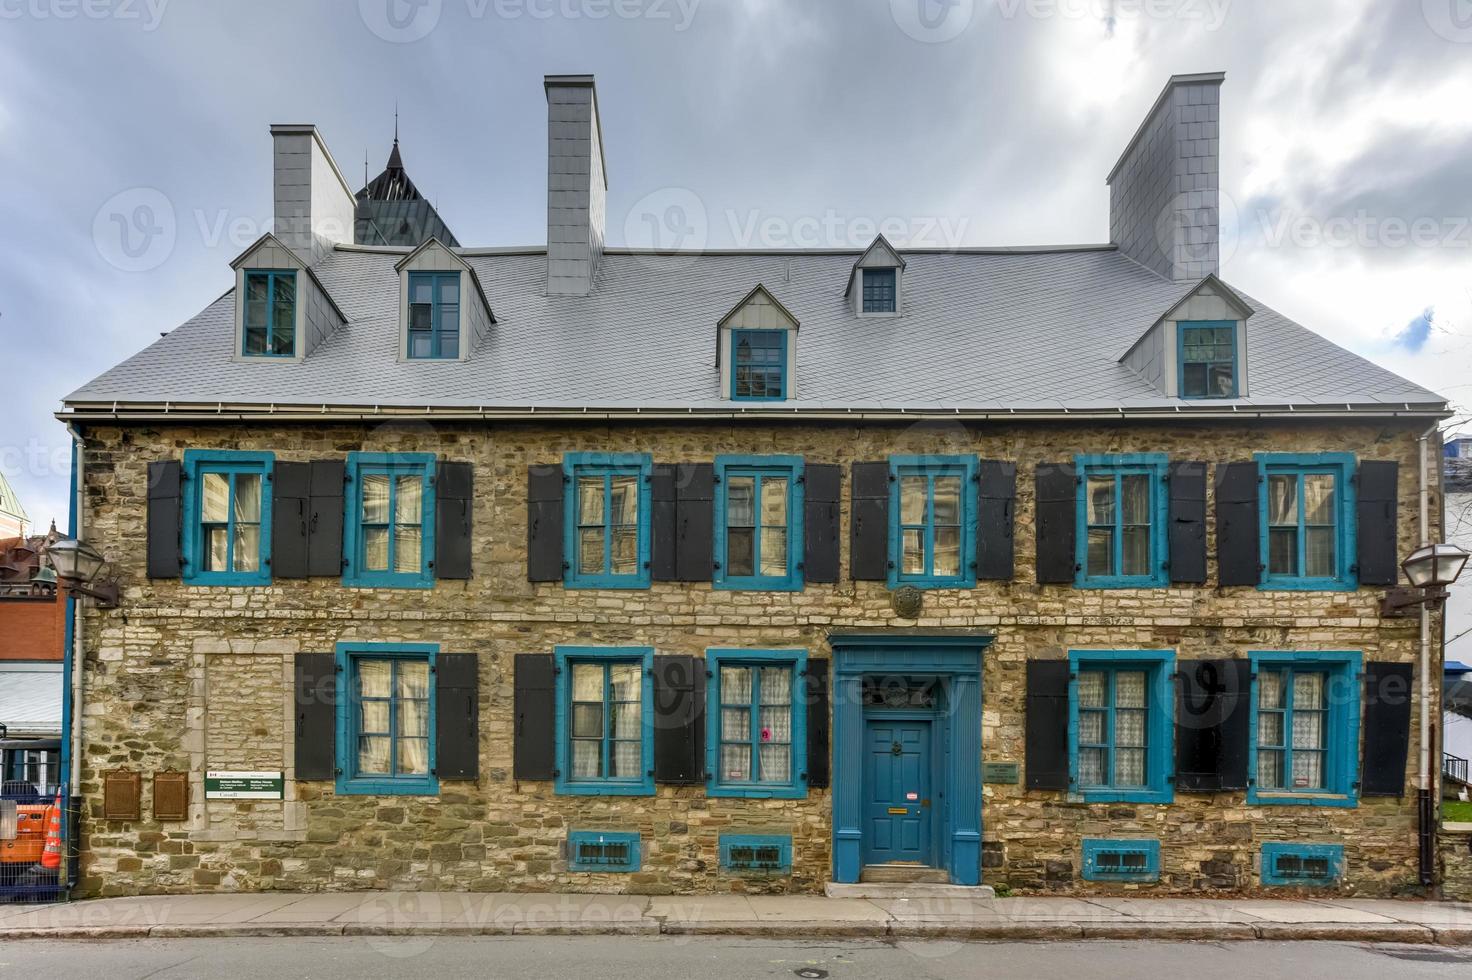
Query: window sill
{"x": 758, "y": 585}
{"x": 1315, "y": 585}
{"x": 387, "y": 583}
{"x": 1121, "y": 583}
{"x": 933, "y": 583}
{"x": 388, "y": 787}
{"x": 1159, "y": 796}
{"x": 757, "y": 792}
{"x": 1340, "y": 800}
{"x": 226, "y": 579}
{"x": 605, "y": 789}
{"x": 587, "y": 584}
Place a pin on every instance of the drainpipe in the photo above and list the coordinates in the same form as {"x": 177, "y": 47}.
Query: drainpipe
{"x": 78, "y": 525}
{"x": 1425, "y": 802}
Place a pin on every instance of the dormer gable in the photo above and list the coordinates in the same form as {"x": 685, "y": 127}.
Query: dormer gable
{"x": 443, "y": 310}
{"x": 1198, "y": 347}
{"x": 876, "y": 281}
{"x": 282, "y": 310}
{"x": 756, "y": 349}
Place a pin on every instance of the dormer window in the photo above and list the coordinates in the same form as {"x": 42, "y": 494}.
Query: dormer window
{"x": 761, "y": 364}
{"x": 434, "y": 315}
{"x": 879, "y": 290}
{"x": 755, "y": 349}
{"x": 1208, "y": 358}
{"x": 270, "y": 313}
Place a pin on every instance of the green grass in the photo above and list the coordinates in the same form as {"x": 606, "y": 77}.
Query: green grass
{"x": 1455, "y": 812}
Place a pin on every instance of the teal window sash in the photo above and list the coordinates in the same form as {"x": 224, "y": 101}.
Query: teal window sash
{"x": 233, "y": 466}
{"x": 565, "y": 783}
{"x": 717, "y": 783}
{"x": 272, "y": 320}
{"x": 762, "y": 374}
{"x": 1292, "y": 865}
{"x": 587, "y": 850}
{"x": 1202, "y": 336}
{"x": 1340, "y": 732}
{"x": 931, "y": 469}
{"x": 392, "y": 466}
{"x": 1159, "y": 725}
{"x": 1110, "y": 860}
{"x": 434, "y": 321}
{"x": 880, "y": 288}
{"x": 610, "y": 468}
{"x": 762, "y": 470}
{"x": 350, "y": 781}
{"x": 776, "y": 847}
{"x": 1152, "y": 466}
{"x": 1297, "y": 467}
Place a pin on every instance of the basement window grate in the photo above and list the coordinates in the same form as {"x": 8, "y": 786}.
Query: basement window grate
{"x": 761, "y": 854}
{"x": 1302, "y": 864}
{"x": 595, "y": 851}
{"x": 1121, "y": 860}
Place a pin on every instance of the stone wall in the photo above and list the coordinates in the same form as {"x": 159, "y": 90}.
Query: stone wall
{"x": 1456, "y": 865}
{"x": 190, "y": 678}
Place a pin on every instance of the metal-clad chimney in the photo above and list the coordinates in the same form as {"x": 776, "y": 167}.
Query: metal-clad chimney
{"x": 577, "y": 187}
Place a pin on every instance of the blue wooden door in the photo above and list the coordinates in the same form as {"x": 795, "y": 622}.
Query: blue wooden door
{"x": 897, "y": 792}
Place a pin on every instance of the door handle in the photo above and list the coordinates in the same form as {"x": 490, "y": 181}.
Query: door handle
{"x": 925, "y": 802}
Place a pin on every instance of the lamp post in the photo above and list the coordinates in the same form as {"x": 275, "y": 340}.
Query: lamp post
{"x": 77, "y": 564}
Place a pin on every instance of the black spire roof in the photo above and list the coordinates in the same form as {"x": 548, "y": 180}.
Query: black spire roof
{"x": 391, "y": 211}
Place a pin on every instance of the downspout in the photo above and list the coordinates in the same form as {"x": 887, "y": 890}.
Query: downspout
{"x": 78, "y": 523}
{"x": 1425, "y": 802}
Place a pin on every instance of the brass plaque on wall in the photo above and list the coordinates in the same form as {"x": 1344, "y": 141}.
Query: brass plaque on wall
{"x": 171, "y": 796}
{"x": 122, "y": 795}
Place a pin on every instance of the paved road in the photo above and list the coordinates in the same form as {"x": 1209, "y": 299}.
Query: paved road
{"x": 715, "y": 959}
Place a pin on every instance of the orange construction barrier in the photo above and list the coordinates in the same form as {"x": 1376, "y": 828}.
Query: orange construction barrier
{"x": 51, "y": 854}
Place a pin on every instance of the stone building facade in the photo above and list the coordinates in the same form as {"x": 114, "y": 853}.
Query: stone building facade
{"x": 197, "y": 675}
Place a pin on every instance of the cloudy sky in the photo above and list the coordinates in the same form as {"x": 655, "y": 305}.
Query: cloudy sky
{"x": 1346, "y": 146}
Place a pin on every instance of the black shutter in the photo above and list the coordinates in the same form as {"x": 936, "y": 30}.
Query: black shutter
{"x": 544, "y": 489}
{"x": 695, "y": 486}
{"x": 535, "y": 733}
{"x": 165, "y": 518}
{"x": 822, "y": 483}
{"x": 997, "y": 495}
{"x": 457, "y": 716}
{"x": 868, "y": 548}
{"x": 1387, "y": 734}
{"x": 324, "y": 530}
{"x": 1213, "y": 703}
{"x": 1375, "y": 505}
{"x": 1057, "y": 522}
{"x": 816, "y": 703}
{"x": 679, "y": 720}
{"x": 1187, "y": 519}
{"x": 1238, "y": 559}
{"x": 454, "y": 491}
{"x": 664, "y": 524}
{"x": 316, "y": 716}
{"x": 1047, "y": 724}
{"x": 291, "y": 485}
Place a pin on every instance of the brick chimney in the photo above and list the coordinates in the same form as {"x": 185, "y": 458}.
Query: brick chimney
{"x": 1164, "y": 191}
{"x": 314, "y": 205}
{"x": 577, "y": 187}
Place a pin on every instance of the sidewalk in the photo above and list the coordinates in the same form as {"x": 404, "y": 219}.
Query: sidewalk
{"x": 954, "y": 919}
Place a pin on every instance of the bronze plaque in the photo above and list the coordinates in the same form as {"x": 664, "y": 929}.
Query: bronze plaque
{"x": 122, "y": 795}
{"x": 170, "y": 796}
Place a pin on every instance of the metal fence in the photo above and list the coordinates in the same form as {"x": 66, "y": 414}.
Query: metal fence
{"x": 1454, "y": 767}
{"x": 27, "y": 817}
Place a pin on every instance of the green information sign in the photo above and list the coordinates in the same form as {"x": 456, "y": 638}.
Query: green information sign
{"x": 220, "y": 784}
{"x": 1001, "y": 773}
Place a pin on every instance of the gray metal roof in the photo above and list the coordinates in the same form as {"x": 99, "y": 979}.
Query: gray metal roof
{"x": 30, "y": 698}
{"x": 983, "y": 331}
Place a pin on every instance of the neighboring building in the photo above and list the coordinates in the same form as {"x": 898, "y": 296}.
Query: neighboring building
{"x": 1457, "y": 707}
{"x": 12, "y": 515}
{"x": 1458, "y": 447}
{"x": 32, "y": 648}
{"x": 596, "y": 569}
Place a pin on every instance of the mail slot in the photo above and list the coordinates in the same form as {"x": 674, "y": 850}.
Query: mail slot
{"x": 899, "y": 810}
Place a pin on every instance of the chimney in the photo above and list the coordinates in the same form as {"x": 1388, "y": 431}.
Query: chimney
{"x": 1163, "y": 192}
{"x": 577, "y": 188}
{"x": 314, "y": 205}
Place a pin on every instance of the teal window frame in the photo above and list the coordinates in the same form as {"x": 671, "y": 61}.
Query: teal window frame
{"x": 1182, "y": 328}
{"x": 1156, "y": 466}
{"x": 231, "y": 463}
{"x": 564, "y": 784}
{"x": 439, "y": 311}
{"x": 789, "y": 468}
{"x": 1342, "y": 466}
{"x": 360, "y": 465}
{"x": 1272, "y": 851}
{"x": 764, "y": 334}
{"x": 1343, "y": 670}
{"x": 1159, "y": 724}
{"x": 577, "y": 838}
{"x": 1095, "y": 867}
{"x": 932, "y": 467}
{"x": 731, "y": 842}
{"x": 796, "y": 787}
{"x": 881, "y": 296}
{"x": 607, "y": 465}
{"x": 272, "y": 277}
{"x": 349, "y": 720}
